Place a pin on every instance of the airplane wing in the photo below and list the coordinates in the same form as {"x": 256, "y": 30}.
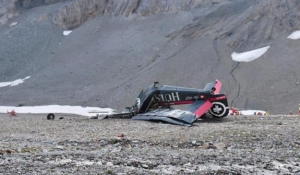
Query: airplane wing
{"x": 200, "y": 107}
{"x": 173, "y": 116}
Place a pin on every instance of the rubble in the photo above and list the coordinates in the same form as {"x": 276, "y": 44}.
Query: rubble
{"x": 243, "y": 145}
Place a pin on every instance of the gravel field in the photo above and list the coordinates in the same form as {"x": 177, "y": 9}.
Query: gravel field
{"x": 30, "y": 144}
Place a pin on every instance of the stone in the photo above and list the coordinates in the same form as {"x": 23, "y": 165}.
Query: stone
{"x": 116, "y": 145}
{"x": 9, "y": 151}
{"x": 205, "y": 146}
{"x": 103, "y": 143}
{"x": 145, "y": 166}
{"x": 220, "y": 145}
{"x": 109, "y": 164}
{"x": 194, "y": 142}
{"x": 59, "y": 147}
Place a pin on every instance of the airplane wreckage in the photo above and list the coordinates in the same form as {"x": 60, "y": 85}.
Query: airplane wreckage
{"x": 155, "y": 104}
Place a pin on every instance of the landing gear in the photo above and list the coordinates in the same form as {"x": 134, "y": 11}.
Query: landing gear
{"x": 219, "y": 110}
{"x": 50, "y": 116}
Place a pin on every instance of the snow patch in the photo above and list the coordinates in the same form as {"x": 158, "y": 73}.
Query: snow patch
{"x": 67, "y": 32}
{"x": 78, "y": 110}
{"x": 294, "y": 35}
{"x": 14, "y": 83}
{"x": 252, "y": 112}
{"x": 13, "y": 24}
{"x": 75, "y": 162}
{"x": 249, "y": 56}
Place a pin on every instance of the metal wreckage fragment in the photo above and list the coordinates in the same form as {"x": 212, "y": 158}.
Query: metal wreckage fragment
{"x": 155, "y": 104}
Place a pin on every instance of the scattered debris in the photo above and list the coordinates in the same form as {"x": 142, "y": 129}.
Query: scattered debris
{"x": 235, "y": 111}
{"x": 50, "y": 116}
{"x": 12, "y": 113}
{"x": 224, "y": 148}
{"x": 121, "y": 135}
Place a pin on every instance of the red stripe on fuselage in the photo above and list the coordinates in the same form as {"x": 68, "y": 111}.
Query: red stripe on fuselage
{"x": 217, "y": 98}
{"x": 203, "y": 109}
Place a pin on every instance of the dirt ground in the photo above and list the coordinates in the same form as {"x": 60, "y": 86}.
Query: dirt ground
{"x": 30, "y": 144}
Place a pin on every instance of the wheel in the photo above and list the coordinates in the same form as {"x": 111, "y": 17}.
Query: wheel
{"x": 50, "y": 116}
{"x": 219, "y": 110}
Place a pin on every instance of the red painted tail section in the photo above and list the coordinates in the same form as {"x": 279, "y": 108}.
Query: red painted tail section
{"x": 218, "y": 87}
{"x": 203, "y": 109}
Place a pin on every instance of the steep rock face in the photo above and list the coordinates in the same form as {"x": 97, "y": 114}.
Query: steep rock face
{"x": 243, "y": 24}
{"x": 7, "y": 10}
{"x": 79, "y": 11}
{"x": 10, "y": 9}
{"x": 35, "y": 3}
{"x": 247, "y": 24}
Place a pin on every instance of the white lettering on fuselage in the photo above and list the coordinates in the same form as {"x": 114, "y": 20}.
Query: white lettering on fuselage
{"x": 170, "y": 97}
{"x": 192, "y": 98}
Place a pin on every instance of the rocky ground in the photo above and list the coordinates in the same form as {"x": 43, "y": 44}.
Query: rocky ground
{"x": 117, "y": 48}
{"x": 30, "y": 144}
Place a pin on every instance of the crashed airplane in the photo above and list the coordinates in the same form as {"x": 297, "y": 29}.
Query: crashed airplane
{"x": 155, "y": 104}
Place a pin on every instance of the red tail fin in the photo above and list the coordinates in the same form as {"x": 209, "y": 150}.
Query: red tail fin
{"x": 218, "y": 87}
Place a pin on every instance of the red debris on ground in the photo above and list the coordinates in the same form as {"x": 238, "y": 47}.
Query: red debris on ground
{"x": 12, "y": 113}
{"x": 121, "y": 135}
{"x": 234, "y": 111}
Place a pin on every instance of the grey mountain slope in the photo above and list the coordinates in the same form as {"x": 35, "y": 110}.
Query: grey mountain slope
{"x": 106, "y": 61}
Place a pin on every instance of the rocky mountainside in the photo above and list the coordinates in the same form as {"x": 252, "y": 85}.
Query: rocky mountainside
{"x": 118, "y": 47}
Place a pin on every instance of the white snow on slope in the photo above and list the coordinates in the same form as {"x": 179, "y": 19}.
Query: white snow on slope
{"x": 67, "y": 32}
{"x": 294, "y": 35}
{"x": 249, "y": 56}
{"x": 251, "y": 112}
{"x": 14, "y": 83}
{"x": 56, "y": 109}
